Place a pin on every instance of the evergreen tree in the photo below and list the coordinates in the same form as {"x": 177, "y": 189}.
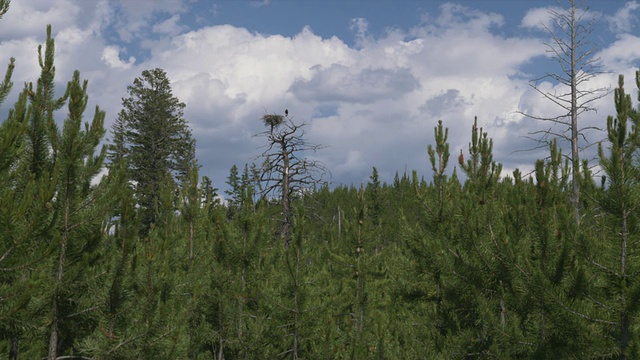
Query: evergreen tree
{"x": 20, "y": 222}
{"x": 113, "y": 293}
{"x": 56, "y": 213}
{"x": 152, "y": 135}
{"x": 79, "y": 209}
{"x": 243, "y": 188}
{"x": 42, "y": 111}
{"x": 235, "y": 190}
{"x": 191, "y": 201}
{"x": 439, "y": 164}
{"x": 609, "y": 245}
{"x": 373, "y": 193}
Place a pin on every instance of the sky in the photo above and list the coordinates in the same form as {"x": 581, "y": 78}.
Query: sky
{"x": 370, "y": 78}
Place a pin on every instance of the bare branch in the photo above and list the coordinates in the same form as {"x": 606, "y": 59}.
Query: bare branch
{"x": 286, "y": 173}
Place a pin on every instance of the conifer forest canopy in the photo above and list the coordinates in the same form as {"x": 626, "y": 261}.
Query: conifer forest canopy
{"x": 113, "y": 245}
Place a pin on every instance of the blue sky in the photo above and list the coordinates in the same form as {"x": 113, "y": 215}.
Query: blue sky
{"x": 370, "y": 78}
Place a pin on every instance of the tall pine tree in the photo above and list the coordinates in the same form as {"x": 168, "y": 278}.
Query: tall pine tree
{"x": 152, "y": 135}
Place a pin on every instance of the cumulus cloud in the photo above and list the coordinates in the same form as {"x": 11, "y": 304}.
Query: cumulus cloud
{"x": 111, "y": 56}
{"x": 542, "y": 18}
{"x": 444, "y": 103}
{"x": 539, "y": 18}
{"x": 28, "y": 18}
{"x": 625, "y": 19}
{"x": 339, "y": 83}
{"x": 171, "y": 26}
{"x": 622, "y": 54}
{"x": 374, "y": 103}
{"x": 460, "y": 17}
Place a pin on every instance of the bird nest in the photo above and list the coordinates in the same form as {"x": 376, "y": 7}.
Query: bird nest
{"x": 273, "y": 120}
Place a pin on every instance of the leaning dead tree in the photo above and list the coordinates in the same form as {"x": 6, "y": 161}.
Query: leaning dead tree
{"x": 569, "y": 45}
{"x": 286, "y": 172}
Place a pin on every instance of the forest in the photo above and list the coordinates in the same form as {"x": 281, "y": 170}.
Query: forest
{"x": 147, "y": 262}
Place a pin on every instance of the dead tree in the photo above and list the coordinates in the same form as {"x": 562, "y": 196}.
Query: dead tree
{"x": 286, "y": 173}
{"x": 569, "y": 46}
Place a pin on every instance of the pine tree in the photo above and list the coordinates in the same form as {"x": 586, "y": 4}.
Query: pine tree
{"x": 152, "y": 135}
{"x": 191, "y": 200}
{"x": 477, "y": 280}
{"x": 373, "y": 194}
{"x": 426, "y": 240}
{"x": 17, "y": 219}
{"x": 609, "y": 246}
{"x": 56, "y": 213}
{"x": 43, "y": 106}
{"x": 113, "y": 293}
{"x": 235, "y": 190}
{"x": 80, "y": 209}
{"x": 439, "y": 164}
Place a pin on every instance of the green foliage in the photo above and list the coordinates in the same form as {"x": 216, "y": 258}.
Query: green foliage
{"x": 151, "y": 134}
{"x": 4, "y": 7}
{"x": 495, "y": 267}
{"x": 6, "y": 85}
{"x": 79, "y": 210}
{"x": 609, "y": 246}
{"x": 56, "y": 214}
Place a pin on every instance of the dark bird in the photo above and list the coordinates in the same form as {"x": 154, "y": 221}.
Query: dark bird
{"x": 286, "y": 112}
{"x": 461, "y": 158}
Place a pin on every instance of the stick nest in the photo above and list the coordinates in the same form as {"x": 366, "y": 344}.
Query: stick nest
{"x": 273, "y": 120}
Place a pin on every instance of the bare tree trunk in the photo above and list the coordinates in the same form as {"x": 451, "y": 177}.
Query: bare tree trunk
{"x": 220, "y": 355}
{"x": 570, "y": 47}
{"x": 13, "y": 348}
{"x": 284, "y": 172}
{"x": 286, "y": 200}
{"x": 574, "y": 119}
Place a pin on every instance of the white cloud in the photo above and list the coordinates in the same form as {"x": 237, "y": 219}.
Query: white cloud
{"x": 260, "y": 3}
{"x": 359, "y": 26}
{"x": 625, "y": 19}
{"x": 621, "y": 54}
{"x": 462, "y": 18}
{"x": 170, "y": 26}
{"x": 539, "y": 18}
{"x": 111, "y": 56}
{"x": 256, "y": 67}
{"x": 542, "y": 18}
{"x": 25, "y": 52}
{"x": 373, "y": 104}
{"x": 29, "y": 18}
{"x": 338, "y": 83}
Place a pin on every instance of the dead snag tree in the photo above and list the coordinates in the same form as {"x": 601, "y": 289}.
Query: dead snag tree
{"x": 570, "y": 46}
{"x": 286, "y": 172}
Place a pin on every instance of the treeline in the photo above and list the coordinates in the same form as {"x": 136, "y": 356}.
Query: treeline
{"x": 146, "y": 262}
